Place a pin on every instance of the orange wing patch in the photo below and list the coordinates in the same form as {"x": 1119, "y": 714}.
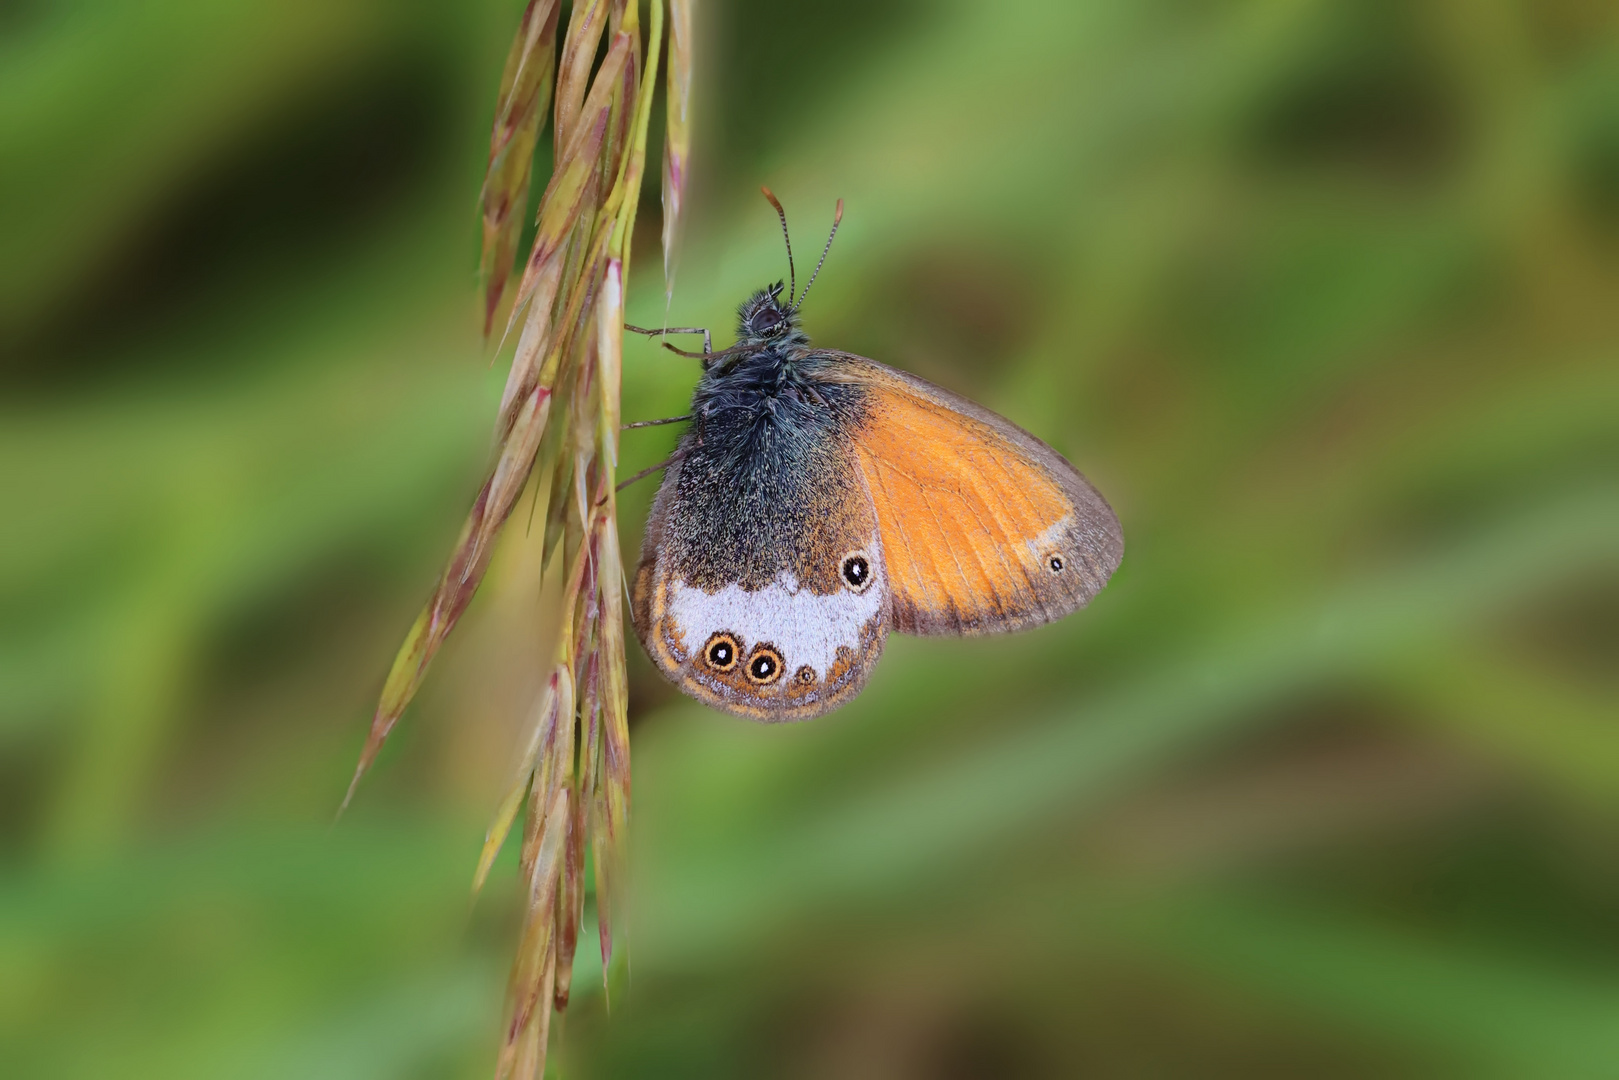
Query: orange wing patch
{"x": 984, "y": 528}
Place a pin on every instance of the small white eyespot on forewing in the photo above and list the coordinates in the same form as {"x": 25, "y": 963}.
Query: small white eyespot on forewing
{"x": 1051, "y": 541}
{"x": 805, "y": 628}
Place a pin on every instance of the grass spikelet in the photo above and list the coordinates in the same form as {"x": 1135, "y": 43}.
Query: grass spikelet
{"x": 558, "y": 422}
{"x": 525, "y": 91}
{"x": 677, "y": 135}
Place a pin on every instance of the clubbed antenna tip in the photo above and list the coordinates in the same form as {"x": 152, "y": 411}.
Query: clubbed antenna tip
{"x": 792, "y": 281}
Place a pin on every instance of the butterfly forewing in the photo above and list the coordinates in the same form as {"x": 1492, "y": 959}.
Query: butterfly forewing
{"x": 985, "y": 528}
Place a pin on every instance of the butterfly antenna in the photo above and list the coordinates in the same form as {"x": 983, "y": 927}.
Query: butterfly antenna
{"x": 792, "y": 281}
{"x": 837, "y": 219}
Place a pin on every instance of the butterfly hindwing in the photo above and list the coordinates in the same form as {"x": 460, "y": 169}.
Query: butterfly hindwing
{"x": 985, "y": 528}
{"x": 762, "y": 589}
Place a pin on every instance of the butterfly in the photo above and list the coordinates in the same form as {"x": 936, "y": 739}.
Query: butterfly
{"x": 820, "y": 500}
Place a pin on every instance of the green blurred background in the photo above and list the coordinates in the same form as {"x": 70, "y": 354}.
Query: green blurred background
{"x": 1324, "y": 296}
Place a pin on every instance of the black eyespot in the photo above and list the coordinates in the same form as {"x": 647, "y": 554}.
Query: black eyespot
{"x": 1056, "y": 564}
{"x": 721, "y": 651}
{"x": 856, "y": 572}
{"x": 805, "y": 675}
{"x": 765, "y": 665}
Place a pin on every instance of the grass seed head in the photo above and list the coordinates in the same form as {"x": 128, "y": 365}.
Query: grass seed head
{"x": 558, "y": 425}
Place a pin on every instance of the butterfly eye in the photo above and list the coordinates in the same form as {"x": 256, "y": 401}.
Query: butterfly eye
{"x": 1055, "y": 562}
{"x": 764, "y": 667}
{"x": 856, "y": 572}
{"x": 721, "y": 651}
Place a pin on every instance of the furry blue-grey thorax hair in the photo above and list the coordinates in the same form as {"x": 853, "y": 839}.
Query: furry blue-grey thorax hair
{"x": 763, "y": 406}
{"x": 768, "y": 369}
{"x": 769, "y": 374}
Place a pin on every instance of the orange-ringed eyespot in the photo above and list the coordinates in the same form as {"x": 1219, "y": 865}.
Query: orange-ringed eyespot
{"x": 764, "y": 666}
{"x": 721, "y": 651}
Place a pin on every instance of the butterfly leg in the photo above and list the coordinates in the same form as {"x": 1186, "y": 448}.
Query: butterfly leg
{"x": 655, "y": 423}
{"x": 708, "y": 341}
{"x": 648, "y": 471}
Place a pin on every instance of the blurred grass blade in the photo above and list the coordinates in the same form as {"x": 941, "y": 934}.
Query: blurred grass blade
{"x": 896, "y": 832}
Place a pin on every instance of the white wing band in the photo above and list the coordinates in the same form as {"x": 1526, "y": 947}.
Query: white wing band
{"x": 803, "y": 627}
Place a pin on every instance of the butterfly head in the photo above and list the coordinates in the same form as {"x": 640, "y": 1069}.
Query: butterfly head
{"x": 764, "y": 319}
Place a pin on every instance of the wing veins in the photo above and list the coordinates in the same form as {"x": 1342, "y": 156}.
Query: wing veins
{"x": 962, "y": 574}
{"x": 1000, "y": 549}
{"x": 910, "y": 549}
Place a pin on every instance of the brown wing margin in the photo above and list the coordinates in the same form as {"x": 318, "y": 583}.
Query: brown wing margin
{"x": 985, "y": 528}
